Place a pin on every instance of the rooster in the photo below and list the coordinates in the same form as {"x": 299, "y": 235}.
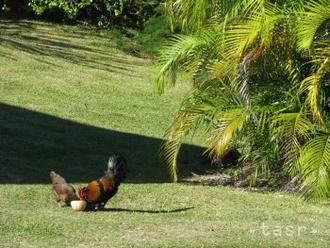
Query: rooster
{"x": 63, "y": 191}
{"x": 98, "y": 192}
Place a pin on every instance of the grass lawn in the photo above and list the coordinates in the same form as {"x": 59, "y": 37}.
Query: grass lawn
{"x": 68, "y": 98}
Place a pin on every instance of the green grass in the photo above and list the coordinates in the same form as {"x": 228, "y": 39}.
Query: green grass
{"x": 68, "y": 98}
{"x": 162, "y": 215}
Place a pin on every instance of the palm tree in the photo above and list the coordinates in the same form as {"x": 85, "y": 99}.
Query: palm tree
{"x": 226, "y": 52}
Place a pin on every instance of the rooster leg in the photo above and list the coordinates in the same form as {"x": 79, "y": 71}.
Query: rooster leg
{"x": 99, "y": 206}
{"x": 59, "y": 204}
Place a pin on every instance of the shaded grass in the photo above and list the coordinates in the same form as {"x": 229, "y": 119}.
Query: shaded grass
{"x": 68, "y": 98}
{"x": 34, "y": 143}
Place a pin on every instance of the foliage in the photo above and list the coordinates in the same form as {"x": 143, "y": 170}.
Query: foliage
{"x": 103, "y": 13}
{"x": 314, "y": 162}
{"x": 15, "y": 8}
{"x": 156, "y": 29}
{"x": 274, "y": 57}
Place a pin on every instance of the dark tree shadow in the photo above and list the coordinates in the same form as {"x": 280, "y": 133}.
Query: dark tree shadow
{"x": 32, "y": 144}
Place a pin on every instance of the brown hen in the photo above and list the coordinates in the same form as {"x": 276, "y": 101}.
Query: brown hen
{"x": 63, "y": 191}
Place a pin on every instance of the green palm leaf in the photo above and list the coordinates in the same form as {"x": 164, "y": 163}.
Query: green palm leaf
{"x": 194, "y": 109}
{"x": 315, "y": 164}
{"x": 312, "y": 86}
{"x": 201, "y": 105}
{"x": 227, "y": 125}
{"x": 257, "y": 23}
{"x": 292, "y": 128}
{"x": 179, "y": 48}
{"x": 174, "y": 137}
{"x": 193, "y": 15}
{"x": 322, "y": 51}
{"x": 317, "y": 12}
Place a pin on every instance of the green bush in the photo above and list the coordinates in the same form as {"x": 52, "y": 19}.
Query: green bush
{"x": 15, "y": 8}
{"x": 155, "y": 32}
{"x": 102, "y": 13}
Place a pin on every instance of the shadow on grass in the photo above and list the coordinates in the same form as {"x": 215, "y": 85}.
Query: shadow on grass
{"x": 32, "y": 144}
{"x": 146, "y": 211}
{"x": 44, "y": 42}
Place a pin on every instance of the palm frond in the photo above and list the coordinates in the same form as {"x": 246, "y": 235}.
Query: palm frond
{"x": 315, "y": 164}
{"x": 242, "y": 82}
{"x": 168, "y": 6}
{"x": 312, "y": 86}
{"x": 174, "y": 137}
{"x": 190, "y": 14}
{"x": 204, "y": 104}
{"x": 179, "y": 48}
{"x": 322, "y": 51}
{"x": 225, "y": 127}
{"x": 317, "y": 12}
{"x": 264, "y": 148}
{"x": 257, "y": 23}
{"x": 292, "y": 128}
{"x": 194, "y": 109}
{"x": 223, "y": 68}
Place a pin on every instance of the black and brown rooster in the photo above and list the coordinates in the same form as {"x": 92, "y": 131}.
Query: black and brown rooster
{"x": 98, "y": 192}
{"x": 63, "y": 191}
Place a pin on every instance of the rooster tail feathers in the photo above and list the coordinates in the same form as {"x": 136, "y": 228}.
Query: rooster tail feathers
{"x": 117, "y": 167}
